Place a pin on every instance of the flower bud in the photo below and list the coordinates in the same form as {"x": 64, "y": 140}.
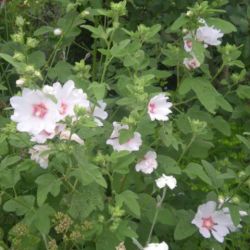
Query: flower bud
{"x": 189, "y": 13}
{"x": 20, "y": 21}
{"x": 20, "y": 82}
{"x": 19, "y": 56}
{"x": 18, "y": 37}
{"x": 32, "y": 42}
{"x": 57, "y": 32}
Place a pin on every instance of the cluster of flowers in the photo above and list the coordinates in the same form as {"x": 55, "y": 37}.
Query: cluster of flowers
{"x": 208, "y": 35}
{"x": 158, "y": 109}
{"x": 42, "y": 114}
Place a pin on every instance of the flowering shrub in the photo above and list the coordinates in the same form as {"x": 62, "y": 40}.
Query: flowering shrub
{"x": 122, "y": 129}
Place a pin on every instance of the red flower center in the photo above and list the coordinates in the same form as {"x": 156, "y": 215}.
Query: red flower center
{"x": 40, "y": 110}
{"x": 208, "y": 223}
{"x": 151, "y": 107}
{"x": 63, "y": 108}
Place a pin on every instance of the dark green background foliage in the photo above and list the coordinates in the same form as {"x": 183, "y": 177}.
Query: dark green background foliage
{"x": 91, "y": 197}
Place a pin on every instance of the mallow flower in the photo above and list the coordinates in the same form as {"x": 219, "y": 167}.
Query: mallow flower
{"x": 191, "y": 63}
{"x": 133, "y": 144}
{"x": 166, "y": 180}
{"x": 68, "y": 97}
{"x": 148, "y": 164}
{"x": 213, "y": 222}
{"x": 156, "y": 246}
{"x": 38, "y": 154}
{"x": 188, "y": 44}
{"x": 99, "y": 113}
{"x": 209, "y": 35}
{"x": 66, "y": 135}
{"x": 34, "y": 112}
{"x": 159, "y": 107}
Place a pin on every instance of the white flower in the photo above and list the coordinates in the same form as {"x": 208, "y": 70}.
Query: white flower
{"x": 68, "y": 97}
{"x": 57, "y": 32}
{"x": 157, "y": 246}
{"x": 209, "y": 35}
{"x": 132, "y": 144}
{"x": 148, "y": 164}
{"x": 191, "y": 63}
{"x": 66, "y": 135}
{"x": 99, "y": 112}
{"x": 34, "y": 112}
{"x": 165, "y": 180}
{"x": 188, "y": 44}
{"x": 38, "y": 154}
{"x": 159, "y": 108}
{"x": 20, "y": 82}
{"x": 209, "y": 220}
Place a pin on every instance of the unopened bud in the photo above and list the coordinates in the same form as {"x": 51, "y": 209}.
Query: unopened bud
{"x": 57, "y": 32}
{"x": 20, "y": 82}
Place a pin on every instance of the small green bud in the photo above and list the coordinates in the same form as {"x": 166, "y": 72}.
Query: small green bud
{"x": 119, "y": 8}
{"x": 18, "y": 38}
{"x": 198, "y": 127}
{"x": 19, "y": 56}
{"x": 189, "y": 13}
{"x": 32, "y": 42}
{"x": 20, "y": 21}
{"x": 29, "y": 69}
{"x": 236, "y": 200}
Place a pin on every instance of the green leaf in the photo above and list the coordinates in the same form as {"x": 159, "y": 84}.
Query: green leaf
{"x": 98, "y": 32}
{"x": 244, "y": 140}
{"x": 98, "y": 89}
{"x": 184, "y": 227}
{"x": 221, "y": 125}
{"x": 199, "y": 51}
{"x": 9, "y": 160}
{"x": 243, "y": 91}
{"x": 41, "y": 218}
{"x": 194, "y": 170}
{"x": 20, "y": 205}
{"x": 225, "y": 26}
{"x": 37, "y": 59}
{"x": 125, "y": 135}
{"x": 10, "y": 60}
{"x": 47, "y": 183}
{"x": 83, "y": 203}
{"x": 130, "y": 199}
{"x": 235, "y": 214}
{"x": 107, "y": 240}
{"x": 179, "y": 22}
{"x": 88, "y": 173}
{"x": 43, "y": 30}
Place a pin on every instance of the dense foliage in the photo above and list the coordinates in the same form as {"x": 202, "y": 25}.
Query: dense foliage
{"x": 124, "y": 124}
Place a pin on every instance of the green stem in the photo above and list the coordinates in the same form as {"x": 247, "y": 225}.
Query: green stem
{"x": 186, "y": 148}
{"x": 137, "y": 244}
{"x": 158, "y": 206}
{"x": 218, "y": 72}
{"x": 45, "y": 241}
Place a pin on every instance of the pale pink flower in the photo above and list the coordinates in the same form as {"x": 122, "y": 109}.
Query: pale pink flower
{"x": 66, "y": 135}
{"x": 68, "y": 97}
{"x": 209, "y": 35}
{"x": 148, "y": 164}
{"x": 165, "y": 180}
{"x": 38, "y": 153}
{"x": 34, "y": 112}
{"x": 188, "y": 44}
{"x": 212, "y": 221}
{"x": 159, "y": 107}
{"x": 191, "y": 63}
{"x": 99, "y": 113}
{"x": 157, "y": 246}
{"x": 132, "y": 144}
{"x": 43, "y": 136}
